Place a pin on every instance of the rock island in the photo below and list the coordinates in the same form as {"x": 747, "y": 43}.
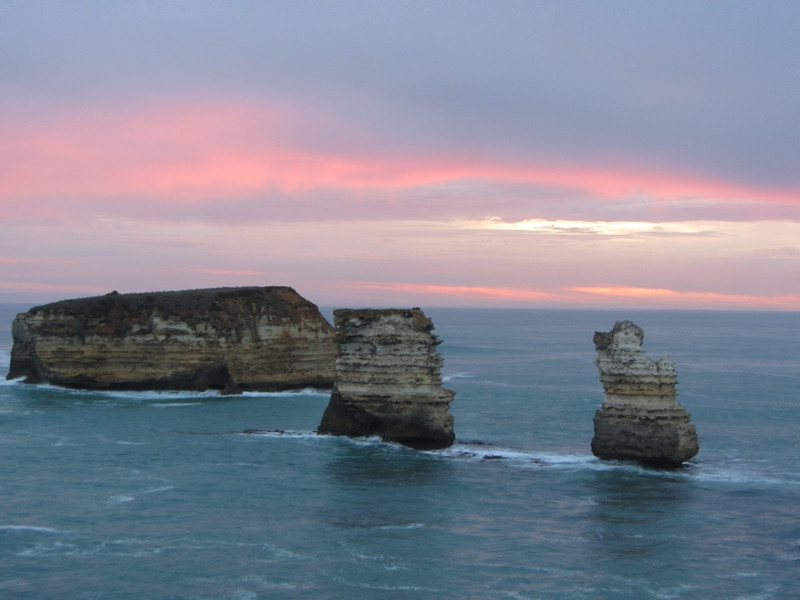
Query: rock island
{"x": 229, "y": 339}
{"x": 640, "y": 418}
{"x": 388, "y": 380}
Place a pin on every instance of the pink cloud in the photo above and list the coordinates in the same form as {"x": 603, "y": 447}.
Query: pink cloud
{"x": 27, "y": 286}
{"x": 190, "y": 152}
{"x": 459, "y": 291}
{"x": 229, "y": 272}
{"x": 608, "y": 296}
{"x": 659, "y": 297}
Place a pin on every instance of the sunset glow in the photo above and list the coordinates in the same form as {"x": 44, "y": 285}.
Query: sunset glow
{"x": 531, "y": 172}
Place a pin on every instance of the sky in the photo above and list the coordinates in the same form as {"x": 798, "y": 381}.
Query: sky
{"x": 606, "y": 154}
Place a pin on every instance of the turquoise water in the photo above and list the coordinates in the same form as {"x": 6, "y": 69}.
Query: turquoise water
{"x": 146, "y": 495}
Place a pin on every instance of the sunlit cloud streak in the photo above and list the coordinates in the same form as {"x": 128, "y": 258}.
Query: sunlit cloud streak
{"x": 594, "y": 227}
{"x": 577, "y": 297}
{"x": 197, "y": 153}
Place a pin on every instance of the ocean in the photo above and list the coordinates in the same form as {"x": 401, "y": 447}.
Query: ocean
{"x": 162, "y": 496}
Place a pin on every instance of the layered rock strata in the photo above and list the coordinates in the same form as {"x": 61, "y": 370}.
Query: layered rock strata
{"x": 640, "y": 418}
{"x": 230, "y": 339}
{"x": 388, "y": 380}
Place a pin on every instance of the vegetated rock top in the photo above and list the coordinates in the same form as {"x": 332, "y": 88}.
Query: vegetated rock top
{"x": 282, "y": 300}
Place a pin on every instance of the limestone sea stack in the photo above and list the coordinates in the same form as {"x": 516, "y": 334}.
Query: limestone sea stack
{"x": 640, "y": 418}
{"x": 388, "y": 380}
{"x": 230, "y": 339}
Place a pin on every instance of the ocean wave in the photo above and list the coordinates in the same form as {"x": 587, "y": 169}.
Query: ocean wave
{"x": 451, "y": 376}
{"x": 736, "y": 475}
{"x": 13, "y": 583}
{"x": 156, "y": 490}
{"x": 289, "y": 393}
{"x": 120, "y": 499}
{"x": 34, "y": 528}
{"x": 176, "y": 397}
{"x": 281, "y": 433}
{"x": 700, "y": 471}
{"x": 487, "y": 452}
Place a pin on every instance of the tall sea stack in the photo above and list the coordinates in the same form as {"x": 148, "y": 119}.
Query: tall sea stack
{"x": 640, "y": 418}
{"x": 388, "y": 380}
{"x": 230, "y": 339}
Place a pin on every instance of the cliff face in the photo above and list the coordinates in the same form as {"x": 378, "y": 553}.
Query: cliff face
{"x": 232, "y": 339}
{"x": 640, "y": 418}
{"x": 388, "y": 379}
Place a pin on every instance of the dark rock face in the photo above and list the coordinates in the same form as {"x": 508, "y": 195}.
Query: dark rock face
{"x": 641, "y": 418}
{"x": 231, "y": 339}
{"x": 388, "y": 380}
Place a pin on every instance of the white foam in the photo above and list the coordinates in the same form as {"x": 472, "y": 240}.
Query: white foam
{"x": 121, "y": 499}
{"x": 151, "y": 395}
{"x": 167, "y": 398}
{"x": 35, "y": 528}
{"x": 401, "y": 527}
{"x": 163, "y": 488}
{"x": 393, "y": 588}
{"x": 280, "y": 433}
{"x": 485, "y": 452}
{"x": 288, "y": 393}
{"x": 450, "y": 377}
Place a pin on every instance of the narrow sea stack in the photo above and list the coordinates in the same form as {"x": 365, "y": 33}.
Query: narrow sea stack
{"x": 388, "y": 380}
{"x": 640, "y": 418}
{"x": 229, "y": 339}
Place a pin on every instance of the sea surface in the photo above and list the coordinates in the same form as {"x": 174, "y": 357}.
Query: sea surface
{"x": 161, "y": 495}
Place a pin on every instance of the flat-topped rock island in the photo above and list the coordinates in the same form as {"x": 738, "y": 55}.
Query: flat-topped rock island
{"x": 228, "y": 339}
